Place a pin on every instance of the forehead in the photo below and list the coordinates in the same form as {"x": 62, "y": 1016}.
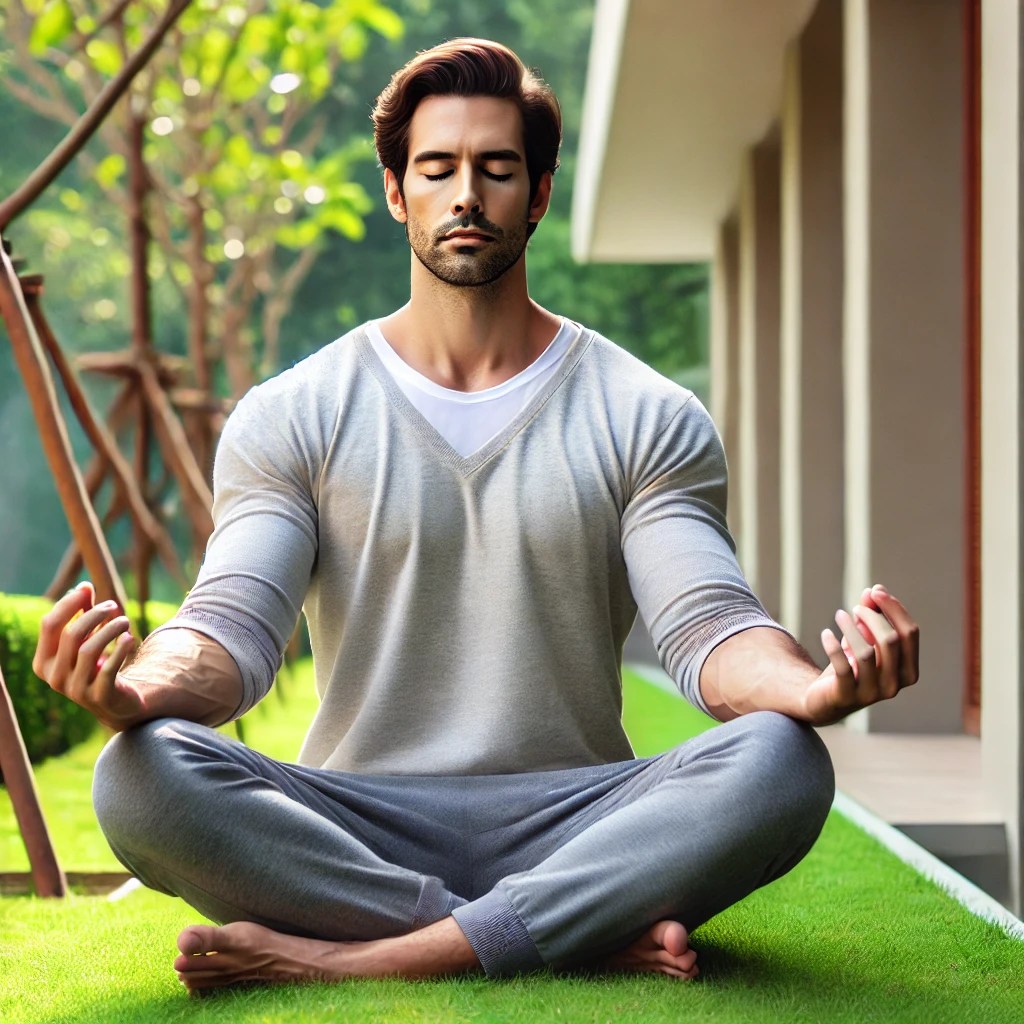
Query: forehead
{"x": 452, "y": 123}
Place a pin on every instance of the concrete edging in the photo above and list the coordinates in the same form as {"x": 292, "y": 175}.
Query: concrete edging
{"x": 951, "y": 882}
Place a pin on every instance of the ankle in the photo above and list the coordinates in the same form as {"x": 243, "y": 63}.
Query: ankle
{"x": 438, "y": 950}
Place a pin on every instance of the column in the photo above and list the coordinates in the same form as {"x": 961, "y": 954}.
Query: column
{"x": 759, "y": 370}
{"x": 724, "y": 355}
{"x": 903, "y": 339}
{"x": 811, "y": 445}
{"x": 1002, "y": 408}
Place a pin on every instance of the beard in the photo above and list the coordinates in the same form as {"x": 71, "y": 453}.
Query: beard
{"x": 468, "y": 266}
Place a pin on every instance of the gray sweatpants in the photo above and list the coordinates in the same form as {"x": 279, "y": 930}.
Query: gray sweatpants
{"x": 539, "y": 868}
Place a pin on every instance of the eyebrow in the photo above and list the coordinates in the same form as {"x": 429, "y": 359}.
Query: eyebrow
{"x": 491, "y": 154}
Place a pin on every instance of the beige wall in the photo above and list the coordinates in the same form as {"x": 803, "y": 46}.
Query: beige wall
{"x": 904, "y": 337}
{"x": 811, "y": 457}
{"x": 1001, "y": 418}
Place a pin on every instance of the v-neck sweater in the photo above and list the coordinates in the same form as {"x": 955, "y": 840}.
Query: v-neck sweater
{"x": 467, "y": 613}
{"x": 469, "y": 419}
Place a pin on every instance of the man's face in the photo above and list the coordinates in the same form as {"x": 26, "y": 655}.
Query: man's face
{"x": 467, "y": 173}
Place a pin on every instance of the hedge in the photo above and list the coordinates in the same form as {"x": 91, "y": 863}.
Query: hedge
{"x": 50, "y": 723}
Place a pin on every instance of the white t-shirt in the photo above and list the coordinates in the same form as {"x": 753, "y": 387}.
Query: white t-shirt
{"x": 467, "y": 420}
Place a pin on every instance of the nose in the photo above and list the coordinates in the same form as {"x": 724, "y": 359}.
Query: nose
{"x": 466, "y": 201}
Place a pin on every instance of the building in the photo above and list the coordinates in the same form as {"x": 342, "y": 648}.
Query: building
{"x": 852, "y": 171}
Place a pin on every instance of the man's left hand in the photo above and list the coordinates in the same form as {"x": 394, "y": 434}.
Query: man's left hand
{"x": 878, "y": 657}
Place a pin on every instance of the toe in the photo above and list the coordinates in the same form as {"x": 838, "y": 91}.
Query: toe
{"x": 681, "y": 963}
{"x": 197, "y": 938}
{"x": 671, "y": 935}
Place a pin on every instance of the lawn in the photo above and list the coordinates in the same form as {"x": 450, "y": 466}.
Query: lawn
{"x": 850, "y": 935}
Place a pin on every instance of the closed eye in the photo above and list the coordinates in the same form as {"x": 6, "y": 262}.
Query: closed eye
{"x": 494, "y": 177}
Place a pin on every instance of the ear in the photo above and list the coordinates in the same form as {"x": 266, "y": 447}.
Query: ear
{"x": 539, "y": 206}
{"x": 396, "y": 203}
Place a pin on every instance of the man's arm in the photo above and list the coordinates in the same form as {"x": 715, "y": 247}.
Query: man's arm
{"x": 177, "y": 673}
{"x": 679, "y": 554}
{"x": 218, "y": 656}
{"x": 767, "y": 670}
{"x": 713, "y": 636}
{"x": 760, "y": 669}
{"x": 181, "y": 673}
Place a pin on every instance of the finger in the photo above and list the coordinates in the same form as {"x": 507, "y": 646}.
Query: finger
{"x": 52, "y": 626}
{"x": 867, "y": 599}
{"x": 103, "y": 685}
{"x": 867, "y": 676}
{"x": 72, "y": 638}
{"x": 847, "y": 650}
{"x": 887, "y": 643}
{"x": 88, "y": 655}
{"x": 909, "y": 632}
{"x": 846, "y": 684}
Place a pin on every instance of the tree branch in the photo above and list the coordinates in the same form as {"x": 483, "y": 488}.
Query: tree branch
{"x": 86, "y": 126}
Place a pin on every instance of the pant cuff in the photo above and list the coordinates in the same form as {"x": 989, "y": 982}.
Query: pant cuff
{"x": 498, "y": 936}
{"x": 435, "y": 903}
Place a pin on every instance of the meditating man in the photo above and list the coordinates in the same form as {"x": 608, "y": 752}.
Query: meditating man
{"x": 469, "y": 499}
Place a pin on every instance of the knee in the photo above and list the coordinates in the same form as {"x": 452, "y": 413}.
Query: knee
{"x": 139, "y": 773}
{"x": 793, "y": 763}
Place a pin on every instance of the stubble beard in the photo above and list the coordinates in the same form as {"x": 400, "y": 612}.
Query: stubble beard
{"x": 474, "y": 267}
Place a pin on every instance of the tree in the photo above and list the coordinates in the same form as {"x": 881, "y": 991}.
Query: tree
{"x": 218, "y": 152}
{"x": 233, "y": 146}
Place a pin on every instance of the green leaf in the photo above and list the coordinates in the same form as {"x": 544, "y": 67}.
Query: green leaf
{"x": 343, "y": 220}
{"x": 238, "y": 151}
{"x": 354, "y": 195}
{"x": 299, "y": 235}
{"x": 52, "y": 26}
{"x": 352, "y": 42}
{"x": 105, "y": 56}
{"x": 383, "y": 20}
{"x": 109, "y": 169}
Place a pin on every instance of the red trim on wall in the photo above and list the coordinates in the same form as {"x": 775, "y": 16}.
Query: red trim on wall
{"x": 972, "y": 364}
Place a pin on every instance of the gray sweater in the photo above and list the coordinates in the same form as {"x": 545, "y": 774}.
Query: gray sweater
{"x": 467, "y": 615}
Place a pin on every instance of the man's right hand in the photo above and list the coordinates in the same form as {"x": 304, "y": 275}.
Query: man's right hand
{"x": 69, "y": 657}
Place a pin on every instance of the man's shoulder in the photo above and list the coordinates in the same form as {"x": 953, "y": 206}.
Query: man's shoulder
{"x": 320, "y": 372}
{"x": 298, "y": 407}
{"x": 625, "y": 382}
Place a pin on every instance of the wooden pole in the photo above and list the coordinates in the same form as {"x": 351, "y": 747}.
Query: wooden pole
{"x": 71, "y": 563}
{"x": 142, "y": 548}
{"x": 101, "y": 437}
{"x": 177, "y": 453}
{"x": 138, "y": 233}
{"x": 46, "y": 873}
{"x": 35, "y": 371}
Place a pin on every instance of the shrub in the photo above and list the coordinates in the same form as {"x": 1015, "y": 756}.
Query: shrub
{"x": 50, "y": 723}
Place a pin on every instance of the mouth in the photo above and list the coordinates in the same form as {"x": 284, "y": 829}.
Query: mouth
{"x": 470, "y": 236}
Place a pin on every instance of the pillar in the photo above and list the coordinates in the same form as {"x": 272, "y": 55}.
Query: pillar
{"x": 903, "y": 337}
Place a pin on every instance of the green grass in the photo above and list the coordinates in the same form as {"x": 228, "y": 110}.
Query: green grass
{"x": 850, "y": 935}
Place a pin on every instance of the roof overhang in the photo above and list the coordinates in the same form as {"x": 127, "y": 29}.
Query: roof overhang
{"x": 677, "y": 90}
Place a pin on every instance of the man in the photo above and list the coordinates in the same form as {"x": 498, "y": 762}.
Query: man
{"x": 469, "y": 499}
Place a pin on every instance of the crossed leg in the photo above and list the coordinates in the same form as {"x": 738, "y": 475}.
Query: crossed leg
{"x": 691, "y": 831}
{"x": 249, "y": 952}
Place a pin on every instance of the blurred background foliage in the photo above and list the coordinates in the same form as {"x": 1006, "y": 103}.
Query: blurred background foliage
{"x": 260, "y": 146}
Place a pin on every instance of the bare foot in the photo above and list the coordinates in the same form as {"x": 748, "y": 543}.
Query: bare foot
{"x": 247, "y": 953}
{"x": 664, "y": 948}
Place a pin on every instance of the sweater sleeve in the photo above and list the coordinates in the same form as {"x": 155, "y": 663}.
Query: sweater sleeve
{"x": 260, "y": 556}
{"x": 679, "y": 554}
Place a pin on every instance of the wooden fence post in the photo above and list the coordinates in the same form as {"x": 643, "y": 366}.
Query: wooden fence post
{"x": 46, "y": 872}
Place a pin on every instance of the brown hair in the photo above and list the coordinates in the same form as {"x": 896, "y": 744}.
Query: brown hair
{"x": 469, "y": 67}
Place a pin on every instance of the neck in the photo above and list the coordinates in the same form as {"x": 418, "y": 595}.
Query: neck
{"x": 467, "y": 338}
